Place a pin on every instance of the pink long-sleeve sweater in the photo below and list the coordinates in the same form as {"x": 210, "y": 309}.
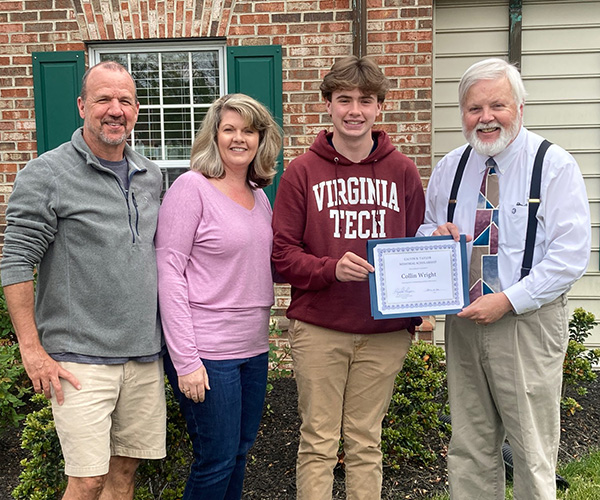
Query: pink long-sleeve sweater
{"x": 214, "y": 275}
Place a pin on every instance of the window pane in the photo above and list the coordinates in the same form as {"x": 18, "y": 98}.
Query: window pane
{"x": 199, "y": 115}
{"x": 120, "y": 58}
{"x": 147, "y": 134}
{"x": 176, "y": 77}
{"x": 205, "y": 77}
{"x": 178, "y": 134}
{"x": 144, "y": 69}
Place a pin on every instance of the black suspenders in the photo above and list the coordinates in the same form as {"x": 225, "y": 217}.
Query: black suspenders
{"x": 534, "y": 200}
{"x": 534, "y": 204}
{"x": 457, "y": 178}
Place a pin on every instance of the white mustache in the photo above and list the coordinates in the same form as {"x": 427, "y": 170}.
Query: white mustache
{"x": 481, "y": 126}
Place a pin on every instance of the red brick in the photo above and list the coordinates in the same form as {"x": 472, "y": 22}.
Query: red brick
{"x": 70, "y": 46}
{"x": 391, "y": 36}
{"x": 400, "y": 47}
{"x": 19, "y": 17}
{"x": 26, "y": 146}
{"x": 254, "y": 19}
{"x": 22, "y": 38}
{"x": 335, "y": 27}
{"x": 383, "y": 14}
{"x": 304, "y": 28}
{"x": 400, "y": 25}
{"x": 287, "y": 40}
{"x": 304, "y": 119}
{"x": 286, "y": 18}
{"x": 12, "y": 92}
{"x": 39, "y": 5}
{"x": 323, "y": 17}
{"x": 15, "y": 115}
{"x": 53, "y": 15}
{"x": 424, "y": 47}
{"x": 269, "y": 6}
{"x": 8, "y": 6}
{"x": 304, "y": 6}
{"x": 22, "y": 60}
{"x": 415, "y": 35}
{"x": 272, "y": 29}
{"x": 11, "y": 28}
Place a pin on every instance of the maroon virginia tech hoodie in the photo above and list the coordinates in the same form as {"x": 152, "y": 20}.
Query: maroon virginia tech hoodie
{"x": 327, "y": 205}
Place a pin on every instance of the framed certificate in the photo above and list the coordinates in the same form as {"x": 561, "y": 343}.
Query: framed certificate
{"x": 417, "y": 276}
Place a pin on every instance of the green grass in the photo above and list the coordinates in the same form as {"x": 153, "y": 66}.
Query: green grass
{"x": 583, "y": 476}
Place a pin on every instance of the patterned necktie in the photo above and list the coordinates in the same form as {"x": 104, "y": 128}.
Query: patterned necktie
{"x": 483, "y": 277}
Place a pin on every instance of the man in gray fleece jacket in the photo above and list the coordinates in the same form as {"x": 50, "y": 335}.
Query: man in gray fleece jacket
{"x": 84, "y": 214}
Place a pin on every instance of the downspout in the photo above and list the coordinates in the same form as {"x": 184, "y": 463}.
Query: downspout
{"x": 515, "y": 32}
{"x": 359, "y": 27}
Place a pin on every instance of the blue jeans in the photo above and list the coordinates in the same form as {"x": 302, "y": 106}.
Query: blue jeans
{"x": 224, "y": 426}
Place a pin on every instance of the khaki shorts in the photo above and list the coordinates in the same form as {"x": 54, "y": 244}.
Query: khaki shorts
{"x": 119, "y": 411}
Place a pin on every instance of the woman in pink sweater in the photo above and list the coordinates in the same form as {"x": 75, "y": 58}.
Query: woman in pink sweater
{"x": 213, "y": 246}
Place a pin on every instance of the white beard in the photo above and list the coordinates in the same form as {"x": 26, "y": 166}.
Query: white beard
{"x": 507, "y": 135}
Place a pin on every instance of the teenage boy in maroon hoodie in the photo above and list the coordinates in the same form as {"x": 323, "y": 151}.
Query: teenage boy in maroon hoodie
{"x": 351, "y": 186}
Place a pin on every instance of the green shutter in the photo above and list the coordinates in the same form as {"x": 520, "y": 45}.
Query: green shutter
{"x": 257, "y": 72}
{"x": 56, "y": 85}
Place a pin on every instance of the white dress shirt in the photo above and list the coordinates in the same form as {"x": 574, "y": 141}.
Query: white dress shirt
{"x": 562, "y": 246}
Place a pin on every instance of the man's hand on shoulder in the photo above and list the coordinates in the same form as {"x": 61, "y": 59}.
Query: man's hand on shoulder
{"x": 487, "y": 309}
{"x": 351, "y": 267}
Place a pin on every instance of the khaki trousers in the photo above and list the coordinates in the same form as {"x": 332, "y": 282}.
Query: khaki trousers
{"x": 504, "y": 380}
{"x": 345, "y": 382}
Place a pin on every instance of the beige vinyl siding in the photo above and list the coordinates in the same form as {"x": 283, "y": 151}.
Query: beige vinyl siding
{"x": 561, "y": 71}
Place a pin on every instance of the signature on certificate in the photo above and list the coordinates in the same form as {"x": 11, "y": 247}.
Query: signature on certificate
{"x": 403, "y": 292}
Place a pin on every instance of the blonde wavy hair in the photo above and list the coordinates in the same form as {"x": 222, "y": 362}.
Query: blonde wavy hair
{"x": 205, "y": 157}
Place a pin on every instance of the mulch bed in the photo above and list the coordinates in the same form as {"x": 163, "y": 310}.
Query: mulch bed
{"x": 271, "y": 468}
{"x": 271, "y": 464}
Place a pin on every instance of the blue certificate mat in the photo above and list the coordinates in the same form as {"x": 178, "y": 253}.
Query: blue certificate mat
{"x": 418, "y": 276}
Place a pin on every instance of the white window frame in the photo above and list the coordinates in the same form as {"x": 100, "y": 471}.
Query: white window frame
{"x": 96, "y": 50}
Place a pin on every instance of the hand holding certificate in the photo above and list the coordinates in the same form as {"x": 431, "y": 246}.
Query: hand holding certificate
{"x": 417, "y": 276}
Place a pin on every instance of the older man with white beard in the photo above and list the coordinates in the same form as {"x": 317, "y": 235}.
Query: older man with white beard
{"x": 505, "y": 350}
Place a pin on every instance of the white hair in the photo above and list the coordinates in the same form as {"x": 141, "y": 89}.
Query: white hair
{"x": 492, "y": 69}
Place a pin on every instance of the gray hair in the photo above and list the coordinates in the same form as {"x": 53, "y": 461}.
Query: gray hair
{"x": 492, "y": 69}
{"x": 205, "y": 157}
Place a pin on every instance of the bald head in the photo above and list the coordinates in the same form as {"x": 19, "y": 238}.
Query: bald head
{"x": 108, "y": 65}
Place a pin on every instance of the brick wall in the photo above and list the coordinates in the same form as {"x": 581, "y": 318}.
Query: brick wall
{"x": 312, "y": 33}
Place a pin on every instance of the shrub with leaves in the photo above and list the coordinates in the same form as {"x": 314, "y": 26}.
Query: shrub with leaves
{"x": 415, "y": 407}
{"x": 579, "y": 360}
{"x": 279, "y": 356}
{"x": 165, "y": 479}
{"x": 42, "y": 477}
{"x": 7, "y": 331}
{"x": 14, "y": 386}
{"x": 43, "y": 473}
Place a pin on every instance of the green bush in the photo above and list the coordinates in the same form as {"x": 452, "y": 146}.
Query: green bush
{"x": 279, "y": 356}
{"x": 7, "y": 331}
{"x": 415, "y": 407}
{"x": 14, "y": 385}
{"x": 579, "y": 360}
{"x": 165, "y": 479}
{"x": 43, "y": 473}
{"x": 42, "y": 477}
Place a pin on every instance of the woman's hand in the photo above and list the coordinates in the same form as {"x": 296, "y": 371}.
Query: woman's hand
{"x": 193, "y": 385}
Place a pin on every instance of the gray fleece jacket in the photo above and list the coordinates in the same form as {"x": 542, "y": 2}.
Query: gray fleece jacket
{"x": 93, "y": 247}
